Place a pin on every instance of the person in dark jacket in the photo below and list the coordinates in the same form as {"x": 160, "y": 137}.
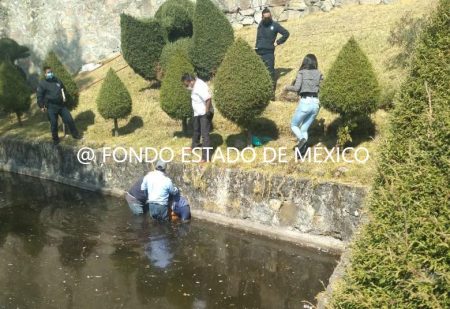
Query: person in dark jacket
{"x": 266, "y": 40}
{"x": 137, "y": 198}
{"x": 180, "y": 207}
{"x": 51, "y": 96}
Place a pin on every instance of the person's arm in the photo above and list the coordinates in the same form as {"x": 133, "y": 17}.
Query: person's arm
{"x": 40, "y": 94}
{"x": 144, "y": 186}
{"x": 208, "y": 105}
{"x": 172, "y": 189}
{"x": 284, "y": 35}
{"x": 297, "y": 85}
{"x": 206, "y": 96}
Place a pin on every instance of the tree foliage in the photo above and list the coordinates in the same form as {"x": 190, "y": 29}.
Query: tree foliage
{"x": 213, "y": 35}
{"x": 142, "y": 42}
{"x": 11, "y": 51}
{"x": 176, "y": 18}
{"x": 243, "y": 86}
{"x": 175, "y": 99}
{"x": 402, "y": 258}
{"x": 181, "y": 46}
{"x": 114, "y": 100}
{"x": 351, "y": 88}
{"x": 14, "y": 91}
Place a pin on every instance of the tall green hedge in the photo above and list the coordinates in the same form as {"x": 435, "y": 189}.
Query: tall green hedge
{"x": 175, "y": 99}
{"x": 243, "y": 86}
{"x": 14, "y": 91}
{"x": 180, "y": 46}
{"x": 114, "y": 100}
{"x": 402, "y": 257}
{"x": 176, "y": 18}
{"x": 142, "y": 42}
{"x": 351, "y": 88}
{"x": 61, "y": 72}
{"x": 213, "y": 35}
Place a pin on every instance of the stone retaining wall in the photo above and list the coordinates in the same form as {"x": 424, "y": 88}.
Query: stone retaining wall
{"x": 323, "y": 215}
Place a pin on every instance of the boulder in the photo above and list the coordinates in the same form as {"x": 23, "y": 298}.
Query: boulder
{"x": 248, "y": 20}
{"x": 247, "y": 12}
{"x": 298, "y": 5}
{"x": 258, "y": 16}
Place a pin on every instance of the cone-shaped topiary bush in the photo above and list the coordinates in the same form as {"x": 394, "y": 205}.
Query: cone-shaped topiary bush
{"x": 213, "y": 35}
{"x": 176, "y": 18}
{"x": 114, "y": 100}
{"x": 14, "y": 91}
{"x": 63, "y": 75}
{"x": 401, "y": 258}
{"x": 181, "y": 46}
{"x": 243, "y": 86}
{"x": 142, "y": 42}
{"x": 175, "y": 99}
{"x": 350, "y": 88}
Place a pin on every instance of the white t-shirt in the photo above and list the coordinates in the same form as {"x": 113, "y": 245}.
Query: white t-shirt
{"x": 200, "y": 94}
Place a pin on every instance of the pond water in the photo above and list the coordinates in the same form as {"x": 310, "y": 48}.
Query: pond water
{"x": 62, "y": 247}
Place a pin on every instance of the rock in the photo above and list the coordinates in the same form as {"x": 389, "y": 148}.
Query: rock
{"x": 288, "y": 214}
{"x": 370, "y": 1}
{"x": 248, "y": 20}
{"x": 277, "y": 11}
{"x": 298, "y": 5}
{"x": 327, "y": 6}
{"x": 88, "y": 67}
{"x": 247, "y": 12}
{"x": 274, "y": 204}
{"x": 237, "y": 26}
{"x": 258, "y": 17}
{"x": 293, "y": 14}
{"x": 340, "y": 171}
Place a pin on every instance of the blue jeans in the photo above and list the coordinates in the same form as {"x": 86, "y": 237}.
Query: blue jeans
{"x": 159, "y": 212}
{"x": 136, "y": 206}
{"x": 304, "y": 116}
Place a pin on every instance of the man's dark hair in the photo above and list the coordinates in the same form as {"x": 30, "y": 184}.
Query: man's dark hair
{"x": 47, "y": 68}
{"x": 309, "y": 62}
{"x": 266, "y": 10}
{"x": 187, "y": 77}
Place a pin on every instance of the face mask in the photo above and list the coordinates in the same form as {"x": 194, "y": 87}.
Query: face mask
{"x": 190, "y": 88}
{"x": 49, "y": 75}
{"x": 267, "y": 20}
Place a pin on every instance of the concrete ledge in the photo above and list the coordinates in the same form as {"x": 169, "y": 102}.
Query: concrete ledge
{"x": 318, "y": 215}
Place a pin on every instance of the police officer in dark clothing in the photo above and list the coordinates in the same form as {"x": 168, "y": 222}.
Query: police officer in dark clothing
{"x": 137, "y": 198}
{"x": 50, "y": 98}
{"x": 266, "y": 40}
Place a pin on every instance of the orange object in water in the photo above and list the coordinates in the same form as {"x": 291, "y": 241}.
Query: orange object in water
{"x": 173, "y": 216}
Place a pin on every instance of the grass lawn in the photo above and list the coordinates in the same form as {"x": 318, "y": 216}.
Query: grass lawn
{"x": 322, "y": 34}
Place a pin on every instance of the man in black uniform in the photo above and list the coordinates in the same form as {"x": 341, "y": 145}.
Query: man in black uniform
{"x": 50, "y": 98}
{"x": 265, "y": 40}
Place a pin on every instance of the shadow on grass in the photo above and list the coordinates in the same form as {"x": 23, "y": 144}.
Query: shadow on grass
{"x": 155, "y": 84}
{"x": 280, "y": 72}
{"x": 84, "y": 120}
{"x": 135, "y": 123}
{"x": 261, "y": 127}
{"x": 365, "y": 131}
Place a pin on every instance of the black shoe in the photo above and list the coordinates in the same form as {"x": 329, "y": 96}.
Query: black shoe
{"x": 301, "y": 143}
{"x": 77, "y": 136}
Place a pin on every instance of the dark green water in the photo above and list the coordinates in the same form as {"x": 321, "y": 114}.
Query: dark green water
{"x": 62, "y": 247}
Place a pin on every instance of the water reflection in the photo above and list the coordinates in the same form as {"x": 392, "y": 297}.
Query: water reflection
{"x": 61, "y": 247}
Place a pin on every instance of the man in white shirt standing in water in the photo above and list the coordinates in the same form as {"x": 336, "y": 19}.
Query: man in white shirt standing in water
{"x": 203, "y": 112}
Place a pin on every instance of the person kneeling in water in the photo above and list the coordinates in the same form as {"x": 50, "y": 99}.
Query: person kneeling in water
{"x": 180, "y": 208}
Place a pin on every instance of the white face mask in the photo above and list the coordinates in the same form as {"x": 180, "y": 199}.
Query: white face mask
{"x": 190, "y": 88}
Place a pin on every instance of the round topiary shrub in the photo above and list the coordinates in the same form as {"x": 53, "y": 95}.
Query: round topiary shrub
{"x": 61, "y": 72}
{"x": 142, "y": 42}
{"x": 114, "y": 100}
{"x": 14, "y": 91}
{"x": 213, "y": 35}
{"x": 175, "y": 99}
{"x": 351, "y": 88}
{"x": 178, "y": 47}
{"x": 176, "y": 18}
{"x": 243, "y": 86}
